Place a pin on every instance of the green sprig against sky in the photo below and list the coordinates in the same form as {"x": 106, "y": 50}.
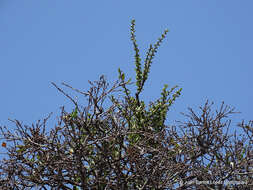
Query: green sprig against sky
{"x": 156, "y": 114}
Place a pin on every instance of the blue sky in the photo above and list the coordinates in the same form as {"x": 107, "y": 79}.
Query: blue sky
{"x": 206, "y": 52}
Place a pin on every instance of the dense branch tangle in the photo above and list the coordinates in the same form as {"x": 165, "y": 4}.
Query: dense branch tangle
{"x": 118, "y": 142}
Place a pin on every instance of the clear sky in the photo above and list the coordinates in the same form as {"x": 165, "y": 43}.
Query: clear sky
{"x": 206, "y": 52}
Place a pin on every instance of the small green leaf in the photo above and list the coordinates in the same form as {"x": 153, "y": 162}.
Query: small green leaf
{"x": 74, "y": 113}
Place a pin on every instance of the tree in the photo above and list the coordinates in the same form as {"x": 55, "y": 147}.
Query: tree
{"x": 128, "y": 145}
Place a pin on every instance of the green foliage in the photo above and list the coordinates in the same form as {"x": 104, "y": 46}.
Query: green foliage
{"x": 142, "y": 76}
{"x": 137, "y": 115}
{"x": 137, "y": 57}
{"x": 73, "y": 115}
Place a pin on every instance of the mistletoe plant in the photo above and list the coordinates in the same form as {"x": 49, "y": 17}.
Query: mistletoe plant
{"x": 138, "y": 117}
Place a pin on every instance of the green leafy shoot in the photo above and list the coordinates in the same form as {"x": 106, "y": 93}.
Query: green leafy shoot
{"x": 73, "y": 115}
